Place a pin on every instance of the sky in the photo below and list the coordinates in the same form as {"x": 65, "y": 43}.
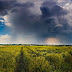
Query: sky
{"x": 36, "y": 22}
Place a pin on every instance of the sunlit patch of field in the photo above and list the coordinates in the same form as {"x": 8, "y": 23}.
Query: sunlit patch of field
{"x": 35, "y": 59}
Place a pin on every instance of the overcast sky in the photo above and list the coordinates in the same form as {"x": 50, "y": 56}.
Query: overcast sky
{"x": 36, "y": 21}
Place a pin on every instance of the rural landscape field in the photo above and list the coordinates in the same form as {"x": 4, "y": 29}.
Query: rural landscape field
{"x": 20, "y": 58}
{"x": 35, "y": 35}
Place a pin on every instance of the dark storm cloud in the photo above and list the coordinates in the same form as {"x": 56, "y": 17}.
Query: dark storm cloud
{"x": 53, "y": 20}
{"x": 50, "y": 23}
{"x": 52, "y": 9}
{"x": 11, "y": 5}
{"x": 17, "y": 6}
{"x": 5, "y": 5}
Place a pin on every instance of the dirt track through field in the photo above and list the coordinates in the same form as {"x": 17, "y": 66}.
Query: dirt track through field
{"x": 21, "y": 65}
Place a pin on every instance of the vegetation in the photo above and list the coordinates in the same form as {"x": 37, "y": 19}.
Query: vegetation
{"x": 35, "y": 58}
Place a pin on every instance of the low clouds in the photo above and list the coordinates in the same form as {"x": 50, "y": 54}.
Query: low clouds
{"x": 4, "y": 39}
{"x": 53, "y": 41}
{"x": 47, "y": 20}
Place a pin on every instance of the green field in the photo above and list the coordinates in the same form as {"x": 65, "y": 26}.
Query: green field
{"x": 35, "y": 58}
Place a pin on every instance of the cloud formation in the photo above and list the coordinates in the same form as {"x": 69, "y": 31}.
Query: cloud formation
{"x": 4, "y": 39}
{"x": 5, "y": 6}
{"x": 50, "y": 22}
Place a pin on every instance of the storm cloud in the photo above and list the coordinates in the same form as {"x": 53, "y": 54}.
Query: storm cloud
{"x": 50, "y": 23}
{"x": 5, "y": 6}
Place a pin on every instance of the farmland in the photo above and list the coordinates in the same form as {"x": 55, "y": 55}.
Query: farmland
{"x": 35, "y": 58}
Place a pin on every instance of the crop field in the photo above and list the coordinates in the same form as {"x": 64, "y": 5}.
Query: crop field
{"x": 35, "y": 58}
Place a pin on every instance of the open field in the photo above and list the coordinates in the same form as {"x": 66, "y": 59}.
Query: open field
{"x": 35, "y": 58}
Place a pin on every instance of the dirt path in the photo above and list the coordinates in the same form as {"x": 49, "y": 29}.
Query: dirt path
{"x": 21, "y": 62}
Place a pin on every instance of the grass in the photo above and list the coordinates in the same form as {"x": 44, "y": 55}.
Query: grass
{"x": 35, "y": 59}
